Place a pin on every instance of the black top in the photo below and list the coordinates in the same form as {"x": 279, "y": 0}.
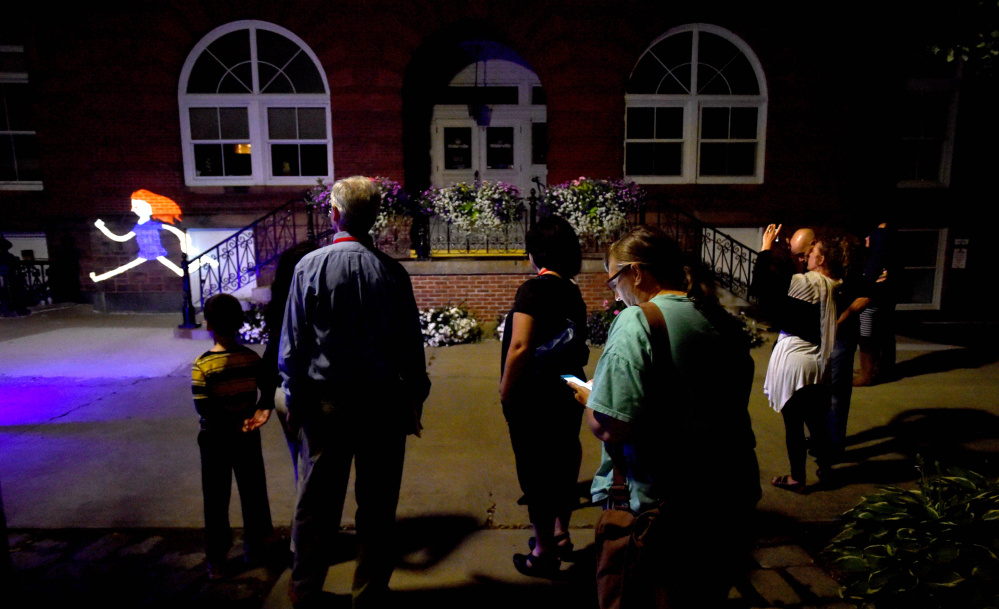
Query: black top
{"x": 550, "y": 300}
{"x": 792, "y": 316}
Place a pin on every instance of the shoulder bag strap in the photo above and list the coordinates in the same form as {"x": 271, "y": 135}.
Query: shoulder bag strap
{"x": 619, "y": 493}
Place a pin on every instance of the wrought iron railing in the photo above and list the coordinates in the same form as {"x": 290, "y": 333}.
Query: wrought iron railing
{"x": 251, "y": 251}
{"x": 23, "y": 284}
{"x": 730, "y": 261}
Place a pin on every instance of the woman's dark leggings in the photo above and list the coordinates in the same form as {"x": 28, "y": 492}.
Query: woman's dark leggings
{"x": 808, "y": 406}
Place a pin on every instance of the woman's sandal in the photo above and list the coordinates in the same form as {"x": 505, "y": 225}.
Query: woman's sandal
{"x": 784, "y": 482}
{"x": 537, "y": 566}
{"x": 564, "y": 550}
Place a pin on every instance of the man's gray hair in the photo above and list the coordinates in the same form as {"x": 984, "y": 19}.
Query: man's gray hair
{"x": 357, "y": 198}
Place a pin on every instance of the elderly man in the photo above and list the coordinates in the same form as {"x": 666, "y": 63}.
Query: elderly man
{"x": 355, "y": 377}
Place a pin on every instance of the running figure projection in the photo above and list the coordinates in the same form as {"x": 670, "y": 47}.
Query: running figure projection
{"x": 153, "y": 211}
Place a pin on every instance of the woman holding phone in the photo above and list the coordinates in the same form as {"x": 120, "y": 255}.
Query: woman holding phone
{"x": 543, "y": 417}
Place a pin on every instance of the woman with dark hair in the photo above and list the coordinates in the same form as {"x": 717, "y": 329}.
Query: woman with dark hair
{"x": 273, "y": 316}
{"x": 799, "y": 374}
{"x": 543, "y": 417}
{"x": 671, "y": 407}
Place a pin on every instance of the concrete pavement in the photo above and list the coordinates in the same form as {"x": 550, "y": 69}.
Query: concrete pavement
{"x": 97, "y": 437}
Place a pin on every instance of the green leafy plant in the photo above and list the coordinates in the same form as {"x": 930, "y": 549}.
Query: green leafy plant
{"x": 932, "y": 547}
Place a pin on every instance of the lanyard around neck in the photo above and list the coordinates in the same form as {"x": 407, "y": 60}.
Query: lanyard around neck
{"x": 343, "y": 239}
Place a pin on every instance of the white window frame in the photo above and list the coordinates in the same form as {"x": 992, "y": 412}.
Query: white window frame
{"x": 16, "y": 78}
{"x": 257, "y": 105}
{"x": 692, "y": 103}
{"x": 938, "y": 268}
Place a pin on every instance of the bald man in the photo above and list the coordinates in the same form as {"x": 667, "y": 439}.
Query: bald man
{"x": 801, "y": 245}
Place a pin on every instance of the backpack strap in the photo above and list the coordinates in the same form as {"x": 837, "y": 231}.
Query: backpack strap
{"x": 619, "y": 494}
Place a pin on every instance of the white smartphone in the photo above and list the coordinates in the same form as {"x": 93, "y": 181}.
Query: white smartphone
{"x": 574, "y": 380}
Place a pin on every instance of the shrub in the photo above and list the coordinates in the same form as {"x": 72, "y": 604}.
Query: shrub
{"x": 934, "y": 547}
{"x": 598, "y": 210}
{"x": 448, "y": 325}
{"x": 485, "y": 207}
{"x": 254, "y": 329}
{"x": 598, "y": 323}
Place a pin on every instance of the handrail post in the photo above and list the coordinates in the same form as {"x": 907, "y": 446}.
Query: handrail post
{"x": 190, "y": 321}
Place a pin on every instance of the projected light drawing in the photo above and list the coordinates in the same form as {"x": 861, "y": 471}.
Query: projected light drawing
{"x": 155, "y": 213}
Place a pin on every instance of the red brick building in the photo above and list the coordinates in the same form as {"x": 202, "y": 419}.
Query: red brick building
{"x": 736, "y": 113}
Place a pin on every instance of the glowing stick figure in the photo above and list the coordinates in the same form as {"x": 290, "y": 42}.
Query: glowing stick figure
{"x": 152, "y": 210}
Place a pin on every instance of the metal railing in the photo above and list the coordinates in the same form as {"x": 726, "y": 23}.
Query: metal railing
{"x": 253, "y": 251}
{"x": 23, "y": 284}
{"x": 729, "y": 261}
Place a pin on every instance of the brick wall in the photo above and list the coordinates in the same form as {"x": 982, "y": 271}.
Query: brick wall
{"x": 491, "y": 295}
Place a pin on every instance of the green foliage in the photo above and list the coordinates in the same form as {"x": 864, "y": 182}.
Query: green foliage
{"x": 972, "y": 36}
{"x": 933, "y": 547}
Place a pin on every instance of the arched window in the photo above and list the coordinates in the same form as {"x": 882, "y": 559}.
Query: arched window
{"x": 254, "y": 109}
{"x": 696, "y": 110}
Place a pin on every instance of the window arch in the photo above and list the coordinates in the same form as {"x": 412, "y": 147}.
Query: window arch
{"x": 696, "y": 110}
{"x": 254, "y": 109}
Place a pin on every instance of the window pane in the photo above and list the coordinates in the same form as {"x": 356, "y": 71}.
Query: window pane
{"x": 8, "y": 169}
{"x": 723, "y": 69}
{"x": 235, "y": 164}
{"x": 538, "y": 96}
{"x": 304, "y": 75}
{"x": 15, "y": 103}
{"x": 457, "y": 147}
{"x": 714, "y": 123}
{"x": 284, "y": 160}
{"x": 26, "y": 154}
{"x": 719, "y": 159}
{"x": 314, "y": 160}
{"x": 274, "y": 49}
{"x": 920, "y": 247}
{"x": 312, "y": 123}
{"x": 299, "y": 73}
{"x": 641, "y": 123}
{"x": 499, "y": 147}
{"x": 744, "y": 123}
{"x": 208, "y": 160}
{"x": 210, "y": 71}
{"x": 238, "y": 80}
{"x": 919, "y": 160}
{"x": 654, "y": 159}
{"x": 665, "y": 68}
{"x": 281, "y": 124}
{"x": 669, "y": 123}
{"x": 204, "y": 123}
{"x": 234, "y": 123}
{"x": 539, "y": 143}
{"x": 916, "y": 286}
{"x": 273, "y": 80}
{"x": 12, "y": 61}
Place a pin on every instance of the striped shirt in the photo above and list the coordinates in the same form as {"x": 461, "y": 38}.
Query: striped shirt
{"x": 224, "y": 384}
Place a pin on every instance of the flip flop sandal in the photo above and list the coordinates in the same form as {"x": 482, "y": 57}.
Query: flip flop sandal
{"x": 784, "y": 482}
{"x": 538, "y": 566}
{"x": 564, "y": 550}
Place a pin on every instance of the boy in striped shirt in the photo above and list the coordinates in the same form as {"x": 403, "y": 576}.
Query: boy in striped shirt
{"x": 224, "y": 382}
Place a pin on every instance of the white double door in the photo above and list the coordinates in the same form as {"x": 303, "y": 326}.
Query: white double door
{"x": 510, "y": 149}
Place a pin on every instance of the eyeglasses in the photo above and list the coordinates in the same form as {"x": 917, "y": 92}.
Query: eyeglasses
{"x": 612, "y": 282}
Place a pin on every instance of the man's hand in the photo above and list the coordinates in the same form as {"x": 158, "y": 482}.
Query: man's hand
{"x": 257, "y": 420}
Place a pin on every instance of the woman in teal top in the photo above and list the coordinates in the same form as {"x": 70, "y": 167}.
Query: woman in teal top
{"x": 676, "y": 423}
